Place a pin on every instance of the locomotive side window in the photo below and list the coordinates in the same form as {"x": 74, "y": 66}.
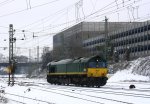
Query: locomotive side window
{"x": 52, "y": 69}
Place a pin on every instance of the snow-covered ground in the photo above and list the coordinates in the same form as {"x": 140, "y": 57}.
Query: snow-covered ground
{"x": 127, "y": 75}
{"x": 116, "y": 91}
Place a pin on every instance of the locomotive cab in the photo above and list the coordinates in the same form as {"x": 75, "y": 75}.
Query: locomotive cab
{"x": 97, "y": 67}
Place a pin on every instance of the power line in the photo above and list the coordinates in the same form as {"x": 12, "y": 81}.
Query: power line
{"x": 27, "y": 9}
{"x": 44, "y": 21}
{"x": 111, "y": 11}
{"x": 48, "y": 16}
{"x": 81, "y": 19}
{"x": 6, "y": 2}
{"x": 51, "y": 15}
{"x": 102, "y": 9}
{"x": 65, "y": 23}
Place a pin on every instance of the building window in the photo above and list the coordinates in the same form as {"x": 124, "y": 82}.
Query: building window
{"x": 139, "y": 29}
{"x": 142, "y": 29}
{"x": 145, "y": 47}
{"x": 142, "y": 38}
{"x": 133, "y": 31}
{"x": 145, "y": 28}
{"x": 148, "y": 27}
{"x": 130, "y": 32}
{"x": 145, "y": 37}
{"x": 138, "y": 39}
{"x": 136, "y": 49}
{"x": 148, "y": 37}
{"x": 148, "y": 47}
{"x": 136, "y": 30}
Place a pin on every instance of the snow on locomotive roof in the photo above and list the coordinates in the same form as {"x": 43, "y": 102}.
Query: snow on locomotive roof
{"x": 76, "y": 60}
{"x": 82, "y": 59}
{"x": 65, "y": 61}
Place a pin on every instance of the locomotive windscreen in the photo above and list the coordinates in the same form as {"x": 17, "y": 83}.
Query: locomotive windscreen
{"x": 97, "y": 65}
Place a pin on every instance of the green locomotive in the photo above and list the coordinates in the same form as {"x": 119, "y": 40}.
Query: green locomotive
{"x": 82, "y": 71}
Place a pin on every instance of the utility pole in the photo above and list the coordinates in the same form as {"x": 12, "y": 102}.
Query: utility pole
{"x": 29, "y": 56}
{"x": 12, "y": 63}
{"x": 38, "y": 57}
{"x": 37, "y": 54}
{"x": 106, "y": 36}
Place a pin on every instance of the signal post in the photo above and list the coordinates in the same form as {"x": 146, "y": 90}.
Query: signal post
{"x": 12, "y": 62}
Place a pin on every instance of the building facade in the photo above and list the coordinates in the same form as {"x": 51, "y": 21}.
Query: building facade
{"x": 69, "y": 43}
{"x": 134, "y": 37}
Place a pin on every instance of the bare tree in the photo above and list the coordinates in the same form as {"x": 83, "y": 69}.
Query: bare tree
{"x": 46, "y": 58}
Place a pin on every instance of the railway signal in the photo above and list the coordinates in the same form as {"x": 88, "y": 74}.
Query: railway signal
{"x": 12, "y": 62}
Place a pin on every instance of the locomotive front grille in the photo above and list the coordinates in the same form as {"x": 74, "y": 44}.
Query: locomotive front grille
{"x": 97, "y": 72}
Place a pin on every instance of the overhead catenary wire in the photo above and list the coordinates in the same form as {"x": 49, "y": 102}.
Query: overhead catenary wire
{"x": 72, "y": 21}
{"x": 100, "y": 10}
{"x": 43, "y": 18}
{"x": 51, "y": 15}
{"x": 111, "y": 11}
{"x": 110, "y": 14}
{"x": 94, "y": 17}
{"x": 85, "y": 16}
{"x": 27, "y": 9}
{"x": 5, "y": 2}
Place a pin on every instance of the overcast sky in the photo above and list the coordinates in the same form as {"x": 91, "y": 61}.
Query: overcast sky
{"x": 44, "y": 18}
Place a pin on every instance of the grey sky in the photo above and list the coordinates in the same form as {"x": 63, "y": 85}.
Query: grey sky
{"x": 45, "y": 17}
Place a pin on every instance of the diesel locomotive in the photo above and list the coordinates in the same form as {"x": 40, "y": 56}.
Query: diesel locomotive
{"x": 90, "y": 71}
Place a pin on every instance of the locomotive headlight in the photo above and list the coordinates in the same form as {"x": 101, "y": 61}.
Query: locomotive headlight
{"x": 84, "y": 70}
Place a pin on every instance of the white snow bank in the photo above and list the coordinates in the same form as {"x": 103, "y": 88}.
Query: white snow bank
{"x": 127, "y": 75}
{"x": 140, "y": 66}
{"x": 136, "y": 70}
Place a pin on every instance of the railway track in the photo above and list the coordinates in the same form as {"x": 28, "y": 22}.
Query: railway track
{"x": 89, "y": 96}
{"x": 118, "y": 91}
{"x": 87, "y": 93}
{"x": 18, "y": 102}
{"x": 104, "y": 91}
{"x": 59, "y": 88}
{"x": 34, "y": 99}
{"x": 23, "y": 97}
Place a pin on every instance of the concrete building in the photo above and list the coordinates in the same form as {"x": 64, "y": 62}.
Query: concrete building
{"x": 134, "y": 37}
{"x": 69, "y": 43}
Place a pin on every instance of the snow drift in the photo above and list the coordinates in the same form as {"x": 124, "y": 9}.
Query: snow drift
{"x": 137, "y": 70}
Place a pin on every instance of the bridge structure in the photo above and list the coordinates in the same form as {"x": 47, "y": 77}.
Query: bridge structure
{"x": 24, "y": 67}
{"x": 21, "y": 64}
